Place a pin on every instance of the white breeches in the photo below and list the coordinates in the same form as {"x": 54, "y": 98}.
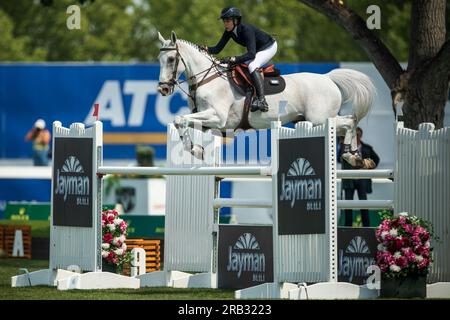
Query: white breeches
{"x": 262, "y": 57}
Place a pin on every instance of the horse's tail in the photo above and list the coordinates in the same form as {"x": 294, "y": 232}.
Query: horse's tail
{"x": 357, "y": 88}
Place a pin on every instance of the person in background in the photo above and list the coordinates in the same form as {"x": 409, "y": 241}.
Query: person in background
{"x": 41, "y": 142}
{"x": 362, "y": 186}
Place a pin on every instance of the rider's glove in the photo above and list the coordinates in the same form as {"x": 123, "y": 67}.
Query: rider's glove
{"x": 203, "y": 48}
{"x": 228, "y": 60}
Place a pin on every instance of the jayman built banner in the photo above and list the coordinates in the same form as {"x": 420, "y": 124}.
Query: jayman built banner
{"x": 72, "y": 182}
{"x": 301, "y": 186}
{"x": 245, "y": 256}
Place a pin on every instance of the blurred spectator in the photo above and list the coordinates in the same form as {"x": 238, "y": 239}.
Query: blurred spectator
{"x": 41, "y": 142}
{"x": 362, "y": 186}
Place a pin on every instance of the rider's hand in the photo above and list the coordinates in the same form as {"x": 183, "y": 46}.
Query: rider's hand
{"x": 203, "y": 48}
{"x": 228, "y": 60}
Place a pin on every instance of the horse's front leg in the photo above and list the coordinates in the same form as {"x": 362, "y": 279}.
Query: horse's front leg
{"x": 208, "y": 118}
{"x": 199, "y": 120}
{"x": 182, "y": 127}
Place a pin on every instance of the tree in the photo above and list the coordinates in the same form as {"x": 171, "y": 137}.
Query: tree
{"x": 127, "y": 30}
{"x": 106, "y": 32}
{"x": 13, "y": 47}
{"x": 423, "y": 87}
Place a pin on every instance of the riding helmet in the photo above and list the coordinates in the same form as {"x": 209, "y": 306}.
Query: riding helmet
{"x": 230, "y": 12}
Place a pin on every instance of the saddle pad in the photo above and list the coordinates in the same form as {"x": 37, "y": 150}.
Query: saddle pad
{"x": 274, "y": 85}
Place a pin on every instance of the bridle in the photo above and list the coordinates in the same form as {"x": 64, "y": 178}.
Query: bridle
{"x": 192, "y": 88}
{"x": 173, "y": 81}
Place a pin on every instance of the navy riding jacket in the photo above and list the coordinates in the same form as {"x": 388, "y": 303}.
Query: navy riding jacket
{"x": 247, "y": 36}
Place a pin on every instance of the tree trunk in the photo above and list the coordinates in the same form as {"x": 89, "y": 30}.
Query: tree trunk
{"x": 427, "y": 31}
{"x": 425, "y": 99}
{"x": 425, "y": 92}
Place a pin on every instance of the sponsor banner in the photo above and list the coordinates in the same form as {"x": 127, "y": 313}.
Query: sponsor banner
{"x": 146, "y": 227}
{"x": 357, "y": 248}
{"x": 301, "y": 186}
{"x": 245, "y": 256}
{"x": 27, "y": 211}
{"x": 72, "y": 182}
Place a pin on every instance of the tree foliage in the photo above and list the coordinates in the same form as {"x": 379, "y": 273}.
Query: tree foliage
{"x": 126, "y": 30}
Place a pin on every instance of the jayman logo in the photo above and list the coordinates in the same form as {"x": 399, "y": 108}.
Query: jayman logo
{"x": 247, "y": 241}
{"x": 72, "y": 164}
{"x": 300, "y": 167}
{"x": 245, "y": 256}
{"x": 299, "y": 183}
{"x": 71, "y": 181}
{"x": 356, "y": 259}
{"x": 357, "y": 245}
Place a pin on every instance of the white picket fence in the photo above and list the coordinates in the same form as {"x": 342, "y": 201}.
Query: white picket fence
{"x": 422, "y": 186}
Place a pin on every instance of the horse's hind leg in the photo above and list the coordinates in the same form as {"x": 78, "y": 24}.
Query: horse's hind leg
{"x": 346, "y": 125}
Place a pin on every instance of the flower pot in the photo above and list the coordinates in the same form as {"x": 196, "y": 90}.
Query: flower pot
{"x": 405, "y": 287}
{"x": 108, "y": 267}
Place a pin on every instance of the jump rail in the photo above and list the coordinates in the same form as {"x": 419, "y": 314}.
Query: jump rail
{"x": 194, "y": 171}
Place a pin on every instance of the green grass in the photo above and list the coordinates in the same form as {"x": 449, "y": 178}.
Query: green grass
{"x": 10, "y": 267}
{"x": 39, "y": 228}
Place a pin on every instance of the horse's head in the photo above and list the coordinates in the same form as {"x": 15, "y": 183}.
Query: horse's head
{"x": 169, "y": 60}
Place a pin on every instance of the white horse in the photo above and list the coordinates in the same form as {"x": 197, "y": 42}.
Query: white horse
{"x": 217, "y": 104}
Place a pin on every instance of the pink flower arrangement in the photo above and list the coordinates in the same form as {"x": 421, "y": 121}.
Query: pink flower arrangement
{"x": 403, "y": 245}
{"x": 114, "y": 231}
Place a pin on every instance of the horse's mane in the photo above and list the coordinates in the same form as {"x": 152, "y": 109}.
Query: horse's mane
{"x": 193, "y": 45}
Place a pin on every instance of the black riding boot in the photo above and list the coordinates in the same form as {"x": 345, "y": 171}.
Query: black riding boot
{"x": 259, "y": 103}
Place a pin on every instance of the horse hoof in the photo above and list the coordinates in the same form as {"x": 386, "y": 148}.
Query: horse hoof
{"x": 346, "y": 156}
{"x": 179, "y": 121}
{"x": 354, "y": 160}
{"x": 197, "y": 151}
{"x": 359, "y": 163}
